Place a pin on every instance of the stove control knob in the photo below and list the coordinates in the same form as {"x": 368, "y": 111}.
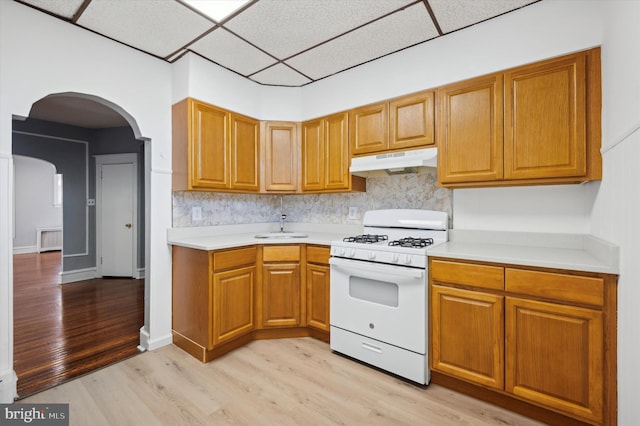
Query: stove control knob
{"x": 407, "y": 259}
{"x": 372, "y": 255}
{"x": 340, "y": 251}
{"x": 395, "y": 258}
{"x": 352, "y": 252}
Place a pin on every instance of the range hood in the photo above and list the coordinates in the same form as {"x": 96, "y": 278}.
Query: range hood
{"x": 394, "y": 163}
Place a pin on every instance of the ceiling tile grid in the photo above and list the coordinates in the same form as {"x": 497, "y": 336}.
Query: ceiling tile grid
{"x": 278, "y": 42}
{"x": 390, "y": 34}
{"x": 280, "y": 75}
{"x": 285, "y": 28}
{"x": 224, "y": 48}
{"x": 453, "y": 15}
{"x": 159, "y": 27}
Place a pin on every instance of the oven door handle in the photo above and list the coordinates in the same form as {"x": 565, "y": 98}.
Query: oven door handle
{"x": 374, "y": 271}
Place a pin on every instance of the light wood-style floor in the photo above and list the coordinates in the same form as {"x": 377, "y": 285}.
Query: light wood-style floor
{"x": 268, "y": 382}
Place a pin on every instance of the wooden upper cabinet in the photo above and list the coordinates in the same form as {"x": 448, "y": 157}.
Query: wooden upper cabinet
{"x": 535, "y": 124}
{"x": 281, "y": 149}
{"x": 200, "y": 146}
{"x": 545, "y": 120}
{"x": 470, "y": 130}
{"x": 405, "y": 122}
{"x": 214, "y": 149}
{"x": 337, "y": 152}
{"x": 313, "y": 155}
{"x": 245, "y": 153}
{"x": 412, "y": 121}
{"x": 325, "y": 156}
{"x": 369, "y": 129}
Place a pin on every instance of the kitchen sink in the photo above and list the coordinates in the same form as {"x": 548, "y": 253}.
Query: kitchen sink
{"x": 284, "y": 234}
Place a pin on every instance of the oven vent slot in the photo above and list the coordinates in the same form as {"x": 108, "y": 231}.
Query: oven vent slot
{"x": 49, "y": 239}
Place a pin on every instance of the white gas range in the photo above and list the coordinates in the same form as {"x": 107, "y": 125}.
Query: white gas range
{"x": 379, "y": 290}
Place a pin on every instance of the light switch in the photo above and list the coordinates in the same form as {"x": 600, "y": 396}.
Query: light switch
{"x": 196, "y": 213}
{"x": 353, "y": 212}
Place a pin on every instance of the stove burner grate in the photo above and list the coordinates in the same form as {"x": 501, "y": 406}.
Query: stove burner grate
{"x": 412, "y": 242}
{"x": 366, "y": 239}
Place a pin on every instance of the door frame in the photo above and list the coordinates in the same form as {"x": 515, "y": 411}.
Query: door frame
{"x": 131, "y": 158}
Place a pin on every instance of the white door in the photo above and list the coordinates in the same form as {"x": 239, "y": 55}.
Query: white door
{"x": 116, "y": 217}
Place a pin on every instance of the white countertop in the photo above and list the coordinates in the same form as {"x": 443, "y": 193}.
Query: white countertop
{"x": 226, "y": 236}
{"x": 559, "y": 251}
{"x": 576, "y": 252}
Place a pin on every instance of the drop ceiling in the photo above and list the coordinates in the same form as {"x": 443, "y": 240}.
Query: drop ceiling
{"x": 278, "y": 42}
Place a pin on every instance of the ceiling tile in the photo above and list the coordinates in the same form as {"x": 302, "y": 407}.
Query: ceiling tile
{"x": 158, "y": 27}
{"x": 286, "y": 27}
{"x": 405, "y": 28}
{"x": 280, "y": 75}
{"x": 453, "y": 15}
{"x": 64, "y": 8}
{"x": 226, "y": 49}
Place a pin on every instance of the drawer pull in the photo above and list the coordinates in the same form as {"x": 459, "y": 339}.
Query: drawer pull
{"x": 372, "y": 348}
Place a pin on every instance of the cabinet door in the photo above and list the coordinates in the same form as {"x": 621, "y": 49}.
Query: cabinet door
{"x": 554, "y": 356}
{"x": 209, "y": 146}
{"x": 313, "y": 155}
{"x": 245, "y": 153}
{"x": 281, "y": 295}
{"x": 412, "y": 121}
{"x": 281, "y": 156}
{"x": 470, "y": 131}
{"x": 318, "y": 296}
{"x": 369, "y": 129}
{"x": 337, "y": 152}
{"x": 233, "y": 294}
{"x": 545, "y": 120}
{"x": 467, "y": 335}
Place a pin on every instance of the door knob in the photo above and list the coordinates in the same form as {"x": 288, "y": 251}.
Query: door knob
{"x": 128, "y": 225}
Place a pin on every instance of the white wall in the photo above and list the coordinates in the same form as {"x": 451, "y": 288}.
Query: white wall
{"x": 34, "y": 206}
{"x": 62, "y": 58}
{"x": 617, "y": 206}
{"x": 41, "y": 55}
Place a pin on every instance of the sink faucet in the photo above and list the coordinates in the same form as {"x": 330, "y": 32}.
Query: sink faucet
{"x": 282, "y": 216}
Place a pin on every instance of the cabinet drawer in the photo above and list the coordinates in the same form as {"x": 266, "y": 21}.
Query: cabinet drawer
{"x": 234, "y": 258}
{"x": 482, "y": 276}
{"x": 281, "y": 253}
{"x": 570, "y": 288}
{"x": 318, "y": 255}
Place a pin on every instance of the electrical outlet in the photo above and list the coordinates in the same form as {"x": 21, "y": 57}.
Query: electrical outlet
{"x": 353, "y": 212}
{"x": 196, "y": 213}
{"x": 91, "y": 202}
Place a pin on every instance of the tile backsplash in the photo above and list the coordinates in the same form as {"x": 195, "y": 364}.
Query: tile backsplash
{"x": 415, "y": 191}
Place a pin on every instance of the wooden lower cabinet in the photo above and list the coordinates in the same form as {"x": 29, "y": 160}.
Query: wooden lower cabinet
{"x": 223, "y": 299}
{"x": 318, "y": 288}
{"x": 467, "y": 335}
{"x": 543, "y": 342}
{"x": 554, "y": 356}
{"x": 233, "y": 295}
{"x": 281, "y": 295}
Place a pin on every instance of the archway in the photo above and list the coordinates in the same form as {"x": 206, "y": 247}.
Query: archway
{"x": 95, "y": 120}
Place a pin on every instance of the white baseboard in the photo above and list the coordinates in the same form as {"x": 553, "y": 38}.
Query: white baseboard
{"x": 139, "y": 274}
{"x": 25, "y": 249}
{"x": 147, "y": 344}
{"x": 8, "y": 386}
{"x": 78, "y": 275}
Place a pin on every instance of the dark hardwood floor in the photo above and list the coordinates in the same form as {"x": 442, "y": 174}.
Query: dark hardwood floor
{"x": 64, "y": 331}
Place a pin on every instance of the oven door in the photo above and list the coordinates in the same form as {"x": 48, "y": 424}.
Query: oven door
{"x": 384, "y": 302}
